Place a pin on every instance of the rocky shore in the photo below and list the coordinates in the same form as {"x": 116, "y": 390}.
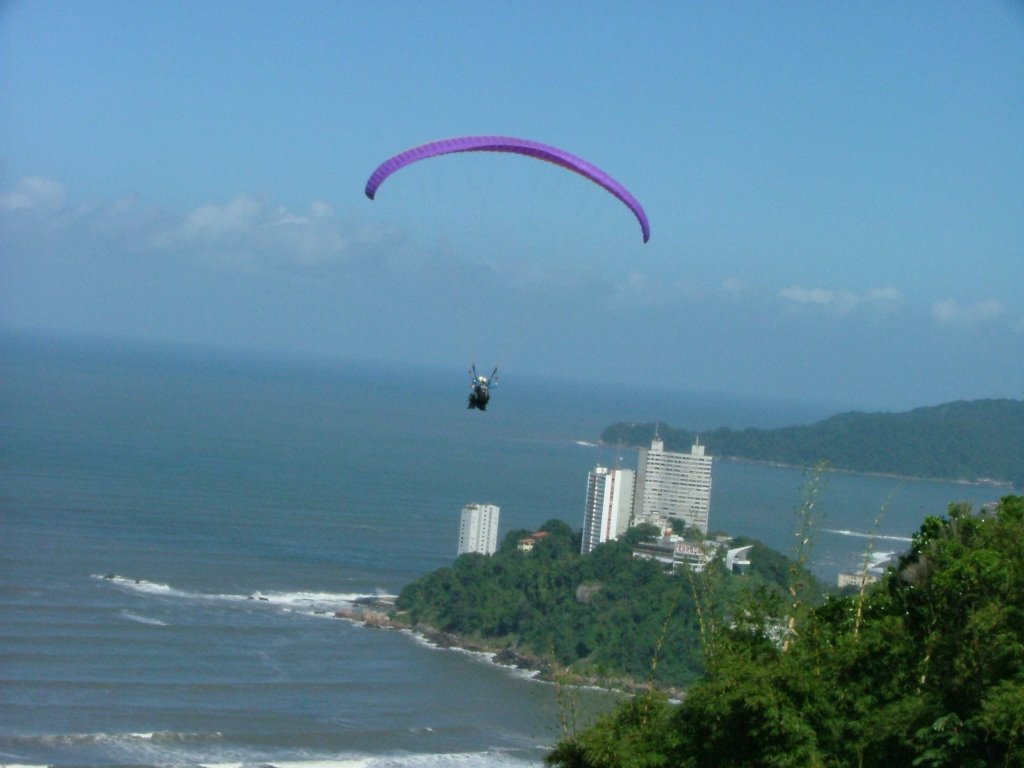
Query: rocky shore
{"x": 379, "y": 613}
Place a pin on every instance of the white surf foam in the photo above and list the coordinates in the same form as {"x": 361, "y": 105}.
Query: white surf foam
{"x": 78, "y": 740}
{"x": 143, "y": 586}
{"x": 303, "y": 602}
{"x": 137, "y": 748}
{"x": 339, "y": 763}
{"x": 485, "y": 657}
{"x": 143, "y": 619}
{"x": 210, "y": 751}
{"x": 860, "y": 535}
{"x": 309, "y": 600}
{"x": 489, "y": 759}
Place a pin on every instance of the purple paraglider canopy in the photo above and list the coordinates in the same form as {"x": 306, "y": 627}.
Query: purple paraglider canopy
{"x": 516, "y": 146}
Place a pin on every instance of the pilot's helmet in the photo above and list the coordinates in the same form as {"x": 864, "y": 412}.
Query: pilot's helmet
{"x": 482, "y": 379}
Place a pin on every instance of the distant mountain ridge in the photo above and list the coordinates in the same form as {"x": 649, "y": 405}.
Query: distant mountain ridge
{"x": 974, "y": 441}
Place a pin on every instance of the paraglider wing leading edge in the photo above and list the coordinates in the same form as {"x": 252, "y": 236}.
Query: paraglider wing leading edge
{"x": 517, "y": 146}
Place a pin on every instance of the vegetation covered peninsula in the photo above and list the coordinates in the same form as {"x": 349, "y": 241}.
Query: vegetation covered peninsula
{"x": 980, "y": 440}
{"x": 924, "y": 669}
{"x": 606, "y": 617}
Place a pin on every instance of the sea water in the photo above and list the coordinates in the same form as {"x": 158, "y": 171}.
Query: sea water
{"x": 177, "y": 529}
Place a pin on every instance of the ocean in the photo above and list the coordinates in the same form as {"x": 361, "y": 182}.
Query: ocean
{"x": 178, "y": 526}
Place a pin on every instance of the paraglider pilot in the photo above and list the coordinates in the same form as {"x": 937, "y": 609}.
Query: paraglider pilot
{"x": 480, "y": 388}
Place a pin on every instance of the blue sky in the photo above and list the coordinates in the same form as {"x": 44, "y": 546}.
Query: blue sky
{"x": 835, "y": 190}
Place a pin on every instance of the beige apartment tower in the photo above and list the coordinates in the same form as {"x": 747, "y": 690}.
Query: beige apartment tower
{"x": 673, "y": 486}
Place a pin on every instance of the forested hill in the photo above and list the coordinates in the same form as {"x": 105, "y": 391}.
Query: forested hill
{"x": 964, "y": 440}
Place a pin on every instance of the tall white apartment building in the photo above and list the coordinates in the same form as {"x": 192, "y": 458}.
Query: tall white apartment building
{"x": 478, "y": 529}
{"x": 609, "y": 506}
{"x": 673, "y": 485}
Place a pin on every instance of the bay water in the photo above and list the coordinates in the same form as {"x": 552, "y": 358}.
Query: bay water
{"x": 177, "y": 528}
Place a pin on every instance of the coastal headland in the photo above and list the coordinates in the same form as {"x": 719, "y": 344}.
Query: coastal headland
{"x": 605, "y": 619}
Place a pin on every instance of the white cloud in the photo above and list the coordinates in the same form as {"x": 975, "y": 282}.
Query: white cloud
{"x": 213, "y": 224}
{"x": 251, "y": 232}
{"x": 319, "y": 209}
{"x": 246, "y": 226}
{"x": 843, "y": 301}
{"x": 637, "y": 289}
{"x": 34, "y": 193}
{"x": 952, "y": 312}
{"x": 808, "y": 295}
{"x": 245, "y": 232}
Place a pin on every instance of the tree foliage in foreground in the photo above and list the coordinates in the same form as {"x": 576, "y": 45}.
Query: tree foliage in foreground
{"x": 926, "y": 669}
{"x": 607, "y": 614}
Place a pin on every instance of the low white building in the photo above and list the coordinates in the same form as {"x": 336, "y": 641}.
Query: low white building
{"x": 478, "y": 529}
{"x": 856, "y": 579}
{"x": 736, "y": 559}
{"x": 675, "y": 551}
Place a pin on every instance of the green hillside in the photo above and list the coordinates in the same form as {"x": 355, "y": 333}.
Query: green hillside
{"x": 965, "y": 440}
{"x": 602, "y": 616}
{"x": 926, "y": 668}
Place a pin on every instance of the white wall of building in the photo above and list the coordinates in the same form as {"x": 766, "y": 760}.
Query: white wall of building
{"x": 673, "y": 485}
{"x": 478, "y": 529}
{"x": 609, "y": 506}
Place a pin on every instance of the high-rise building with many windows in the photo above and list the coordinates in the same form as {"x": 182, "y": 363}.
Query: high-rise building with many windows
{"x": 673, "y": 486}
{"x": 478, "y": 529}
{"x": 609, "y": 506}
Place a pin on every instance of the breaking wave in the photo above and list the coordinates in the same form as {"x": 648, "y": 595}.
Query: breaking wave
{"x": 143, "y": 619}
{"x": 303, "y": 602}
{"x": 213, "y": 750}
{"x": 860, "y": 535}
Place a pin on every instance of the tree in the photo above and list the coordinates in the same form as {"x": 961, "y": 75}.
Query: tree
{"x": 928, "y": 672}
{"x": 638, "y": 533}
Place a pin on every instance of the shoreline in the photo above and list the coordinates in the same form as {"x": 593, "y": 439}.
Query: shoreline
{"x": 378, "y": 613}
{"x": 981, "y": 483}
